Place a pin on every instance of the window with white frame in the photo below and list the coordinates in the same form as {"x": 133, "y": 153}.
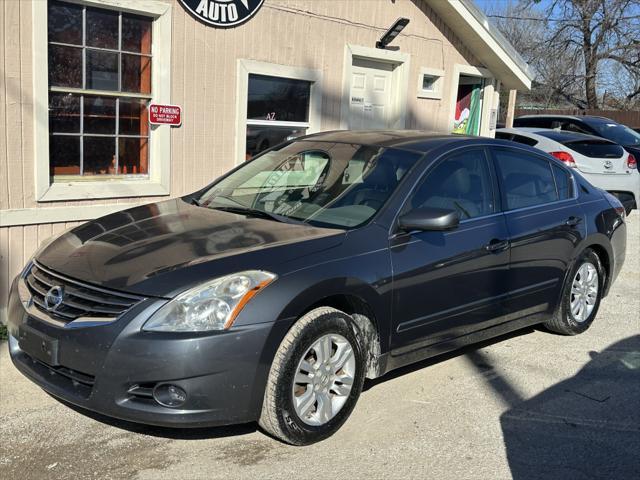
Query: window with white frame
{"x": 430, "y": 83}
{"x": 99, "y": 78}
{"x": 100, "y": 65}
{"x": 277, "y": 109}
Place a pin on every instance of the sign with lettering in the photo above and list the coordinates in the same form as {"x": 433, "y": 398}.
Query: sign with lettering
{"x": 222, "y": 13}
{"x": 165, "y": 115}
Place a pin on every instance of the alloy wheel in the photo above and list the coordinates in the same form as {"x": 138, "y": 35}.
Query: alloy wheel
{"x": 324, "y": 379}
{"x": 584, "y": 292}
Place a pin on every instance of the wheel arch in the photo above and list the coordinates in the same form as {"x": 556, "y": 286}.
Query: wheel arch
{"x": 604, "y": 253}
{"x": 366, "y": 323}
{"x": 357, "y": 299}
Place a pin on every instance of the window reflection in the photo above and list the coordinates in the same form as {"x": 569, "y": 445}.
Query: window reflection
{"x": 260, "y": 138}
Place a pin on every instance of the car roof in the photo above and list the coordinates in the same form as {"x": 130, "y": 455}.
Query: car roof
{"x": 553, "y": 134}
{"x": 413, "y": 140}
{"x": 587, "y": 118}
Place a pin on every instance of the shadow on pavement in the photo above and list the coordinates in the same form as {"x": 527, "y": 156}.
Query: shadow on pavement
{"x": 587, "y": 426}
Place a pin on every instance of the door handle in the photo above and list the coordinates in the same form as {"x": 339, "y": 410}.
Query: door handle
{"x": 572, "y": 221}
{"x": 496, "y": 246}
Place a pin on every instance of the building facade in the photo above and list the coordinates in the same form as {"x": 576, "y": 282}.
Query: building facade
{"x": 80, "y": 76}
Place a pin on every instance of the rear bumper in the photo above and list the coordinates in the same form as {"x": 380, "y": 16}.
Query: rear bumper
{"x": 97, "y": 368}
{"x": 624, "y": 183}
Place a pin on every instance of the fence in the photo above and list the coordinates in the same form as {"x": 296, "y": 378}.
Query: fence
{"x": 626, "y": 117}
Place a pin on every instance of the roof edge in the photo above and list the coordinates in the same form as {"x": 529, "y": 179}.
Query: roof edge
{"x": 486, "y": 42}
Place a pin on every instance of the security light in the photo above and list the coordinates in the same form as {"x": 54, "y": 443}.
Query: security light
{"x": 392, "y": 33}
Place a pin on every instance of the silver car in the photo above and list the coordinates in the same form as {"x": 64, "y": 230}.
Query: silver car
{"x": 603, "y": 163}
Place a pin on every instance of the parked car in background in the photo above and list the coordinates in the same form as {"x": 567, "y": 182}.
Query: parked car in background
{"x": 605, "y": 164}
{"x": 587, "y": 124}
{"x": 273, "y": 292}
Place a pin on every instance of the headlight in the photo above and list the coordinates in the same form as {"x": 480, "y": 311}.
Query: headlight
{"x": 211, "y": 306}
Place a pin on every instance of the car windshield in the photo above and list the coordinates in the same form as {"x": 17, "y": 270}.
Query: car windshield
{"x": 321, "y": 183}
{"x": 617, "y": 133}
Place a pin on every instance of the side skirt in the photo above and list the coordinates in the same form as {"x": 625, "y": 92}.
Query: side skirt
{"x": 392, "y": 360}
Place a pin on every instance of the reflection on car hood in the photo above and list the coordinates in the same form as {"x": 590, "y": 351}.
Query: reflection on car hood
{"x": 159, "y": 248}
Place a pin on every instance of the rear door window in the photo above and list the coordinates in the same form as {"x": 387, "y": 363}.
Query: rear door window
{"x": 516, "y": 138}
{"x": 526, "y": 179}
{"x": 576, "y": 127}
{"x": 525, "y": 140}
{"x": 538, "y": 122}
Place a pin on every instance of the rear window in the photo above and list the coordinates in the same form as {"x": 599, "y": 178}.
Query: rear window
{"x": 595, "y": 148}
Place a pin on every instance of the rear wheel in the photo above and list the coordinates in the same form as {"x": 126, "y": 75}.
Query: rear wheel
{"x": 581, "y": 296}
{"x": 315, "y": 379}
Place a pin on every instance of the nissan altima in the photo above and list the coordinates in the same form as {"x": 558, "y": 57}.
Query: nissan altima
{"x": 272, "y": 293}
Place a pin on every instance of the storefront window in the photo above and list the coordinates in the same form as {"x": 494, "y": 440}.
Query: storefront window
{"x": 277, "y": 110}
{"x": 99, "y": 87}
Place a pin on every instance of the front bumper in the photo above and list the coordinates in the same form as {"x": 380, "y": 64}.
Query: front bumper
{"x": 112, "y": 369}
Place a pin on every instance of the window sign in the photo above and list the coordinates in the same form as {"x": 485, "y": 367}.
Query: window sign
{"x": 222, "y": 13}
{"x": 277, "y": 110}
{"x": 99, "y": 88}
{"x": 278, "y": 99}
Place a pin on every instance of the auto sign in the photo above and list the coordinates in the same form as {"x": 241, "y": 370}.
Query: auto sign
{"x": 222, "y": 13}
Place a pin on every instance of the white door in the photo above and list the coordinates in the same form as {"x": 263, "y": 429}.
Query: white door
{"x": 370, "y": 102}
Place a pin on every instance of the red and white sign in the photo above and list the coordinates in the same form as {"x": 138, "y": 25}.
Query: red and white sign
{"x": 165, "y": 115}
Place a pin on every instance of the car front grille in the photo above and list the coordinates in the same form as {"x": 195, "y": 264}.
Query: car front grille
{"x": 79, "y": 300}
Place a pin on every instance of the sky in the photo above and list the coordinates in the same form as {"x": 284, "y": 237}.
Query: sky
{"x": 488, "y": 5}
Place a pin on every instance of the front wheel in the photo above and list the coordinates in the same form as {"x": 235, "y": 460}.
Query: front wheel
{"x": 315, "y": 379}
{"x": 581, "y": 296}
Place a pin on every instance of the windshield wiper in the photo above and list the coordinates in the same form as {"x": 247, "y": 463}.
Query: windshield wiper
{"x": 252, "y": 212}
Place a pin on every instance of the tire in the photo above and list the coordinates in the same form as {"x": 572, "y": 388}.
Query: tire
{"x": 280, "y": 417}
{"x": 565, "y": 320}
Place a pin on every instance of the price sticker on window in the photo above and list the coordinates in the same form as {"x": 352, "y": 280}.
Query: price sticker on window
{"x": 165, "y": 115}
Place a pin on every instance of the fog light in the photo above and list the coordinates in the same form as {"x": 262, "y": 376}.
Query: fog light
{"x": 169, "y": 395}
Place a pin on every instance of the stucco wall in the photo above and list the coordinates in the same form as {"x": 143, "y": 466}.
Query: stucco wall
{"x": 304, "y": 33}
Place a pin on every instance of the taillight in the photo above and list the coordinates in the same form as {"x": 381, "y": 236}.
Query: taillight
{"x": 565, "y": 158}
{"x": 632, "y": 162}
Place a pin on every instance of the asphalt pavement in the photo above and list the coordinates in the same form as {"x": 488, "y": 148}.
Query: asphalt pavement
{"x": 527, "y": 406}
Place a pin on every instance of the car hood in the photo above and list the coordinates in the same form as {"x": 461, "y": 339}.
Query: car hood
{"x": 163, "y": 248}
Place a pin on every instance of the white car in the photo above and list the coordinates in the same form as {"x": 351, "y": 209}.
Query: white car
{"x": 603, "y": 163}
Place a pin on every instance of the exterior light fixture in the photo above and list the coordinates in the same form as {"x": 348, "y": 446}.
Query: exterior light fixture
{"x": 392, "y": 33}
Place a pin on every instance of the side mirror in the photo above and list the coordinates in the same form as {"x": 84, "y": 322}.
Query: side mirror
{"x": 429, "y": 219}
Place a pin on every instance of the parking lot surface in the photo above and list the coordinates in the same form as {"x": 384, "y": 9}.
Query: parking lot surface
{"x": 530, "y": 405}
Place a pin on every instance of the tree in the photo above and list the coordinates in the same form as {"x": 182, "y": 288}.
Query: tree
{"x": 568, "y": 42}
